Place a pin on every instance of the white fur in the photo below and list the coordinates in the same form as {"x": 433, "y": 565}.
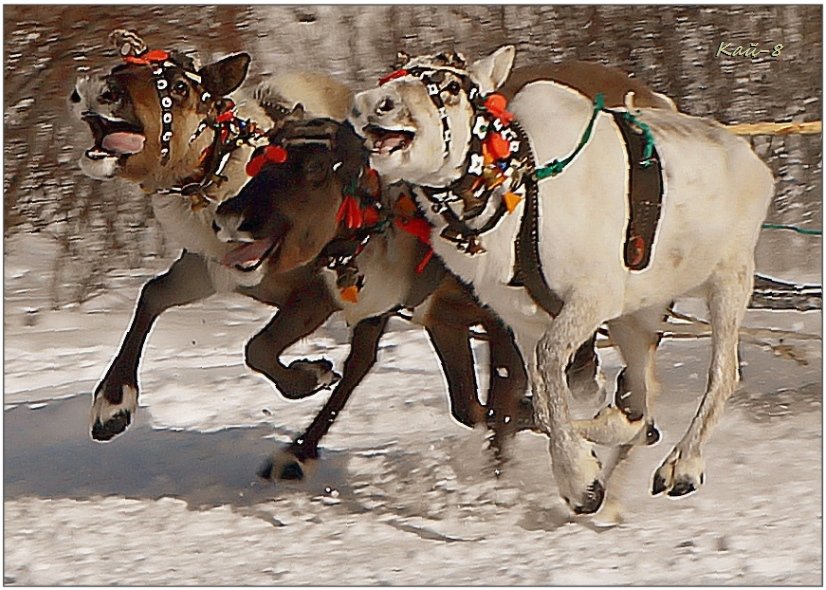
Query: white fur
{"x": 718, "y": 193}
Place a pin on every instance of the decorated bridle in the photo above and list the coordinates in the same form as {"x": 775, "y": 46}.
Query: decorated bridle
{"x": 230, "y": 131}
{"x": 497, "y": 156}
{"x": 361, "y": 214}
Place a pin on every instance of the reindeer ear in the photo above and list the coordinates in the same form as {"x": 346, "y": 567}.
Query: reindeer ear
{"x": 226, "y": 75}
{"x": 491, "y": 72}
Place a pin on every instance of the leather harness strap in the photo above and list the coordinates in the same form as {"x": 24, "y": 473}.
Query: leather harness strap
{"x": 645, "y": 195}
{"x": 527, "y": 270}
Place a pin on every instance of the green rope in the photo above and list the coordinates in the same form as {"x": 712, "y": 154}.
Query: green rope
{"x": 800, "y": 230}
{"x": 648, "y": 150}
{"x": 557, "y": 166}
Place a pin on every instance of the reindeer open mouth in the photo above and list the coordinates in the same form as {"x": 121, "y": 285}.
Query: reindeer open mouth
{"x": 249, "y": 256}
{"x": 113, "y": 138}
{"x": 388, "y": 141}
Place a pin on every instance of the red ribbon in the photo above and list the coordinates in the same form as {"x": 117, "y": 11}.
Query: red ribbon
{"x": 350, "y": 213}
{"x": 147, "y": 58}
{"x": 392, "y": 76}
{"x": 496, "y": 105}
{"x": 271, "y": 153}
{"x": 416, "y": 226}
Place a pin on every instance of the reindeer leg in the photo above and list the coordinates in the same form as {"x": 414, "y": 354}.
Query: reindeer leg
{"x": 509, "y": 410}
{"x": 729, "y": 291}
{"x": 304, "y": 312}
{"x": 447, "y": 325}
{"x": 576, "y": 468}
{"x": 292, "y": 462}
{"x": 629, "y": 421}
{"x": 116, "y": 396}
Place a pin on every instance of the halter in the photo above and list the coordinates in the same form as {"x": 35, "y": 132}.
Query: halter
{"x": 230, "y": 131}
{"x": 164, "y": 64}
{"x": 432, "y": 78}
{"x": 496, "y": 160}
{"x": 361, "y": 214}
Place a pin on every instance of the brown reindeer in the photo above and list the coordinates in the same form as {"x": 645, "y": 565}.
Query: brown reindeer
{"x": 292, "y": 213}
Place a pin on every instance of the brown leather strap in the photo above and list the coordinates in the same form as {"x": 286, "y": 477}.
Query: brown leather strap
{"x": 527, "y": 270}
{"x": 645, "y": 194}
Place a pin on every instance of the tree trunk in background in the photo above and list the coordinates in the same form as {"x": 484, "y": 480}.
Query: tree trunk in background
{"x": 107, "y": 226}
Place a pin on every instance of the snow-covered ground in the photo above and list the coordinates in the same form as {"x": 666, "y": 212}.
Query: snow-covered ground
{"x": 403, "y": 494}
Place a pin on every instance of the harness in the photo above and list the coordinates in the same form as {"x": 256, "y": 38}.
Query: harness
{"x": 361, "y": 214}
{"x": 500, "y": 160}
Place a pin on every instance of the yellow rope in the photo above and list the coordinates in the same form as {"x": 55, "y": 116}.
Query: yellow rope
{"x": 809, "y": 127}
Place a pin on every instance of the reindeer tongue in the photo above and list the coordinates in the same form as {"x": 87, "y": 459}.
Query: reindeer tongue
{"x": 123, "y": 142}
{"x": 390, "y": 142}
{"x": 248, "y": 253}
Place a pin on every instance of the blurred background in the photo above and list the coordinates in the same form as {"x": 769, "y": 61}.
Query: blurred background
{"x": 98, "y": 231}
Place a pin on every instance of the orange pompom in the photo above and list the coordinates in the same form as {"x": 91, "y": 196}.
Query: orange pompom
{"x": 350, "y": 294}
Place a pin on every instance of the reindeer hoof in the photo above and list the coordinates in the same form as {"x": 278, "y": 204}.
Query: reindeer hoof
{"x": 112, "y": 410}
{"x": 104, "y": 431}
{"x": 316, "y": 375}
{"x": 658, "y": 487}
{"x": 285, "y": 466}
{"x": 679, "y": 475}
{"x": 682, "y": 487}
{"x": 592, "y": 500}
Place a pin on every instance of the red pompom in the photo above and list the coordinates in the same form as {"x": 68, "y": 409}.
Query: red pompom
{"x": 498, "y": 146}
{"x": 276, "y": 154}
{"x": 272, "y": 153}
{"x": 496, "y": 105}
{"x": 350, "y": 213}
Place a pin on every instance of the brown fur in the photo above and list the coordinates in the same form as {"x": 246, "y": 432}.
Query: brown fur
{"x": 589, "y": 79}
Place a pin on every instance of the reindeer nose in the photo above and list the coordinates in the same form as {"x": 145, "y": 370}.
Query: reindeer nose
{"x": 74, "y": 97}
{"x": 385, "y": 106}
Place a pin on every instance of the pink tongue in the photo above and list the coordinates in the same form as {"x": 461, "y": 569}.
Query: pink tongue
{"x": 123, "y": 143}
{"x": 388, "y": 142}
{"x": 248, "y": 252}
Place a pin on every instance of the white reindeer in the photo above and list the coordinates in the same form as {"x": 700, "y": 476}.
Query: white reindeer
{"x": 420, "y": 125}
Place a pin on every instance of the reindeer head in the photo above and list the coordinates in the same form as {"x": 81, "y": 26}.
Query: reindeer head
{"x": 143, "y": 112}
{"x": 418, "y": 122}
{"x": 289, "y": 210}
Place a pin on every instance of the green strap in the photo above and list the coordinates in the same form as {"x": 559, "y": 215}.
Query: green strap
{"x": 557, "y": 166}
{"x": 648, "y": 150}
{"x": 800, "y": 230}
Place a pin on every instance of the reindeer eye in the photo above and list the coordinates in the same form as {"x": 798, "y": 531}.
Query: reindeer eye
{"x": 110, "y": 95}
{"x": 180, "y": 88}
{"x": 453, "y": 88}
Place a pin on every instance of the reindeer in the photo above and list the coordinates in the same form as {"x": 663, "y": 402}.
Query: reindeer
{"x": 551, "y": 247}
{"x": 313, "y": 201}
{"x": 160, "y": 121}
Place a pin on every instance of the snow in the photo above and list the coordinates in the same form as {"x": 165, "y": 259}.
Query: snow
{"x": 403, "y": 494}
